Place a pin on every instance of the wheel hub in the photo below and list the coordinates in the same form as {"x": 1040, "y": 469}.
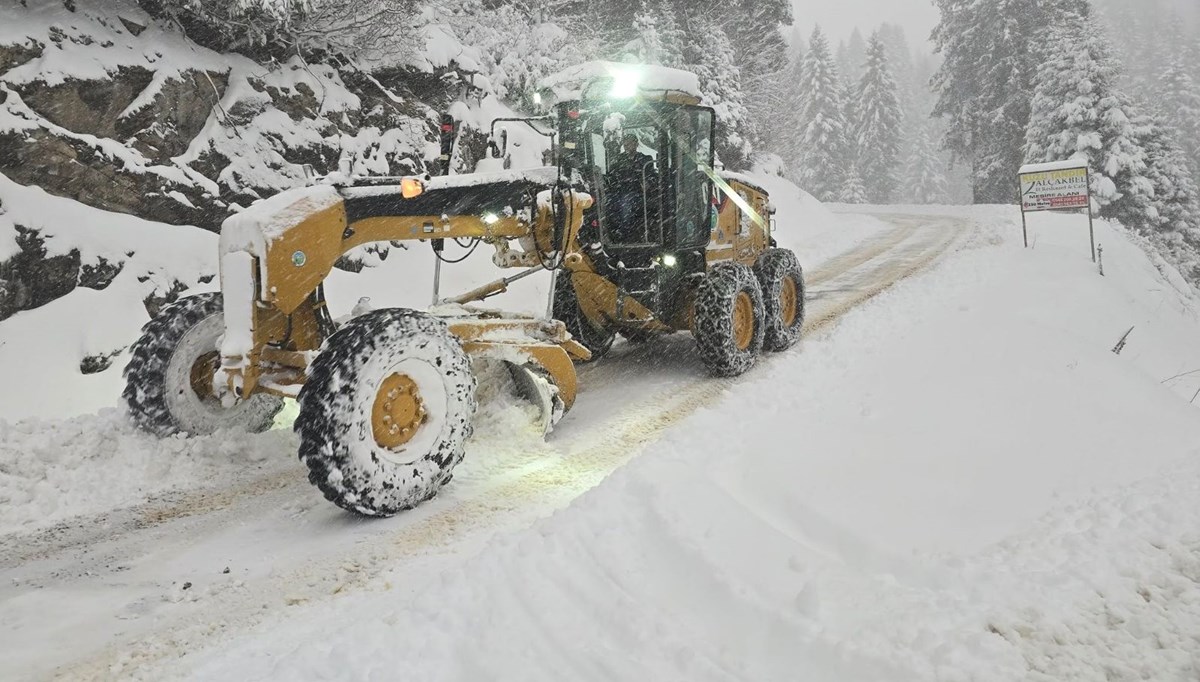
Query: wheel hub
{"x": 398, "y": 412}
{"x": 743, "y": 321}
{"x": 787, "y": 301}
{"x": 202, "y": 373}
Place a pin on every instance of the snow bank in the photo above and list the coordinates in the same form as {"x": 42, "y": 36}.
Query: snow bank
{"x": 960, "y": 481}
{"x": 807, "y": 226}
{"x": 55, "y": 469}
{"x": 41, "y": 349}
{"x": 185, "y": 252}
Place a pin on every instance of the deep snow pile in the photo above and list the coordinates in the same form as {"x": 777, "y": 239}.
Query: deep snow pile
{"x": 45, "y": 351}
{"x": 959, "y": 481}
{"x": 51, "y": 470}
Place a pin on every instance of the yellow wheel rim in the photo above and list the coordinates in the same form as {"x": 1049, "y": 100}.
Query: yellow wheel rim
{"x": 203, "y": 370}
{"x": 398, "y": 412}
{"x": 743, "y": 321}
{"x": 788, "y": 299}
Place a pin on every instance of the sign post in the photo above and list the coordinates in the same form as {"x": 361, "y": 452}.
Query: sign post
{"x": 1057, "y": 186}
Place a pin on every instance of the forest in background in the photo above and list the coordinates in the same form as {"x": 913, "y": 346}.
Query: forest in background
{"x": 877, "y": 116}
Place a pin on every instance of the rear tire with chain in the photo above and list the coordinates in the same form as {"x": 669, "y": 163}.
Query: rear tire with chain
{"x": 596, "y": 339}
{"x": 386, "y": 412}
{"x": 782, "y": 280}
{"x": 729, "y": 319}
{"x": 168, "y": 381}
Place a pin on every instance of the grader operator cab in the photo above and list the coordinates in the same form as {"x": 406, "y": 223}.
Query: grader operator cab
{"x": 641, "y": 235}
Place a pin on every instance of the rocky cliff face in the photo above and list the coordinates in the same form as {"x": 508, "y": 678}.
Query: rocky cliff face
{"x": 102, "y": 105}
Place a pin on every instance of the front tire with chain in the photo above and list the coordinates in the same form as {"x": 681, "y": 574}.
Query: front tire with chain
{"x": 782, "y": 280}
{"x": 386, "y": 412}
{"x": 168, "y": 381}
{"x": 729, "y": 319}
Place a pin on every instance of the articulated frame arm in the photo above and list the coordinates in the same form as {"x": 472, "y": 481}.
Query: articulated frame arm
{"x": 277, "y": 254}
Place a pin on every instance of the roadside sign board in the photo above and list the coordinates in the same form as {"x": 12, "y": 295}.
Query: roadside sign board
{"x": 1054, "y": 190}
{"x": 1056, "y": 186}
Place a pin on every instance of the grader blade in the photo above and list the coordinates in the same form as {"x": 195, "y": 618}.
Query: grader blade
{"x": 533, "y": 384}
{"x": 536, "y": 354}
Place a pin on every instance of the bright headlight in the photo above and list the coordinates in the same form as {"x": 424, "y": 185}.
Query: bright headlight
{"x": 625, "y": 84}
{"x": 668, "y": 260}
{"x": 489, "y": 218}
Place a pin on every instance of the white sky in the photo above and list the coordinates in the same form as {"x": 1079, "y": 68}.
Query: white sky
{"x": 839, "y": 17}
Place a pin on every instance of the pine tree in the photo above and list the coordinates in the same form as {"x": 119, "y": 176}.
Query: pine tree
{"x": 754, "y": 28}
{"x": 853, "y": 191}
{"x": 776, "y": 115}
{"x": 1181, "y": 106}
{"x": 712, "y": 60}
{"x": 991, "y": 52}
{"x": 852, "y": 56}
{"x": 913, "y": 88}
{"x": 925, "y": 179}
{"x": 603, "y": 29}
{"x": 878, "y": 125}
{"x": 1077, "y": 113}
{"x": 1176, "y": 199}
{"x": 823, "y": 146}
{"x": 659, "y": 39}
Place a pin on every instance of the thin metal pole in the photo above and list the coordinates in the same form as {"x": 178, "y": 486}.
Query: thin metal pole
{"x": 550, "y": 298}
{"x": 437, "y": 280}
{"x": 1024, "y": 221}
{"x": 1091, "y": 221}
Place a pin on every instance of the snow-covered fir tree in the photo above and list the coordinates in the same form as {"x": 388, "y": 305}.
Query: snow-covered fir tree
{"x": 853, "y": 191}
{"x": 924, "y": 173}
{"x": 913, "y": 88}
{"x": 1141, "y": 173}
{"x": 878, "y": 125}
{"x": 1077, "y": 113}
{"x": 1149, "y": 36}
{"x": 1176, "y": 201}
{"x": 822, "y": 152}
{"x": 1181, "y": 106}
{"x": 777, "y": 113}
{"x": 852, "y": 56}
{"x": 991, "y": 52}
{"x": 659, "y": 38}
{"x": 760, "y": 51}
{"x": 712, "y": 60}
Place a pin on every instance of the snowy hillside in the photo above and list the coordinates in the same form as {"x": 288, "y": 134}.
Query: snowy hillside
{"x": 104, "y": 105}
{"x": 959, "y": 481}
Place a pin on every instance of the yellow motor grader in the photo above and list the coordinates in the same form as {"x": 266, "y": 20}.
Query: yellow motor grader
{"x": 641, "y": 236}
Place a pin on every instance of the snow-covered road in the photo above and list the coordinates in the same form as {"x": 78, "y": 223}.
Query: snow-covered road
{"x": 116, "y": 593}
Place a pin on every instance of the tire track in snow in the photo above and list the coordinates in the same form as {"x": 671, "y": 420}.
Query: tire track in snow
{"x": 541, "y": 481}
